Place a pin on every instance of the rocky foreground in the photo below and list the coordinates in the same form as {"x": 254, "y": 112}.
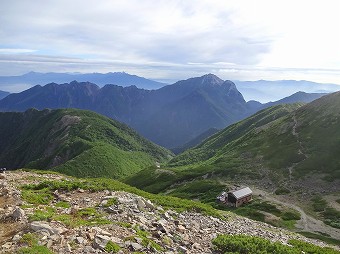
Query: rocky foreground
{"x": 122, "y": 222}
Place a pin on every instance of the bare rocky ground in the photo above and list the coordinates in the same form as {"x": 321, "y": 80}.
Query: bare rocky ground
{"x": 135, "y": 224}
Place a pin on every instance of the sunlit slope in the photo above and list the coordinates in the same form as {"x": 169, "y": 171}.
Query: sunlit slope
{"x": 76, "y": 142}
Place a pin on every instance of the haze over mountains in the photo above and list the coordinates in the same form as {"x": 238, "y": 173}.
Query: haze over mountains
{"x": 261, "y": 90}
{"x": 170, "y": 116}
{"x": 266, "y": 91}
{"x": 3, "y": 94}
{"x": 117, "y": 78}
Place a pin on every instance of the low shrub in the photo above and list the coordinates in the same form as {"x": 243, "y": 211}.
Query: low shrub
{"x": 291, "y": 215}
{"x": 319, "y": 204}
{"x": 282, "y": 191}
{"x": 243, "y": 244}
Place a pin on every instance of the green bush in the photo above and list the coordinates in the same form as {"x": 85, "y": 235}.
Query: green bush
{"x": 282, "y": 191}
{"x": 309, "y": 248}
{"x": 291, "y": 215}
{"x": 319, "y": 204}
{"x": 324, "y": 238}
{"x": 243, "y": 244}
{"x": 332, "y": 217}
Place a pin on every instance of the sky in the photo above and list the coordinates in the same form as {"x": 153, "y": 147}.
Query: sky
{"x": 170, "y": 40}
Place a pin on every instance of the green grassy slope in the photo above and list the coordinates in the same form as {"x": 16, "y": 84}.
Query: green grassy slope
{"x": 230, "y": 153}
{"x": 280, "y": 144}
{"x": 75, "y": 142}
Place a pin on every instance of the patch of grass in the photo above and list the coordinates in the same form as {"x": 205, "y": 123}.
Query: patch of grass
{"x": 204, "y": 190}
{"x": 264, "y": 206}
{"x": 63, "y": 204}
{"x": 112, "y": 247}
{"x": 123, "y": 224}
{"x": 67, "y": 219}
{"x": 111, "y": 202}
{"x": 29, "y": 239}
{"x": 338, "y": 201}
{"x": 33, "y": 248}
{"x": 42, "y": 215}
{"x": 250, "y": 213}
{"x": 146, "y": 241}
{"x": 84, "y": 217}
{"x": 37, "y": 197}
{"x": 37, "y": 249}
{"x": 289, "y": 224}
{"x": 23, "y": 206}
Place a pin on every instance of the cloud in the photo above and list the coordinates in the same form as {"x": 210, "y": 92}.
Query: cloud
{"x": 161, "y": 39}
{"x": 15, "y": 51}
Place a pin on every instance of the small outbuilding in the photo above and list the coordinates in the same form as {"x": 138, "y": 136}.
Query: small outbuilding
{"x": 236, "y": 197}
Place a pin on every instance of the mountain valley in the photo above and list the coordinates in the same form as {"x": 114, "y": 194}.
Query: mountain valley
{"x": 286, "y": 150}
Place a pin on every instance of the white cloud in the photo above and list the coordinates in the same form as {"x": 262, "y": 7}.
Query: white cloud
{"x": 162, "y": 39}
{"x": 15, "y": 51}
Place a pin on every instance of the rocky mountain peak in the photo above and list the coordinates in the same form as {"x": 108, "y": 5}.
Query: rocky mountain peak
{"x": 211, "y": 79}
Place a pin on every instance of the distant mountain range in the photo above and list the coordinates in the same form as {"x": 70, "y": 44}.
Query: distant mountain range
{"x": 75, "y": 142}
{"x": 261, "y": 90}
{"x": 265, "y": 91}
{"x": 101, "y": 79}
{"x": 170, "y": 116}
{"x": 3, "y": 94}
{"x": 296, "y": 97}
